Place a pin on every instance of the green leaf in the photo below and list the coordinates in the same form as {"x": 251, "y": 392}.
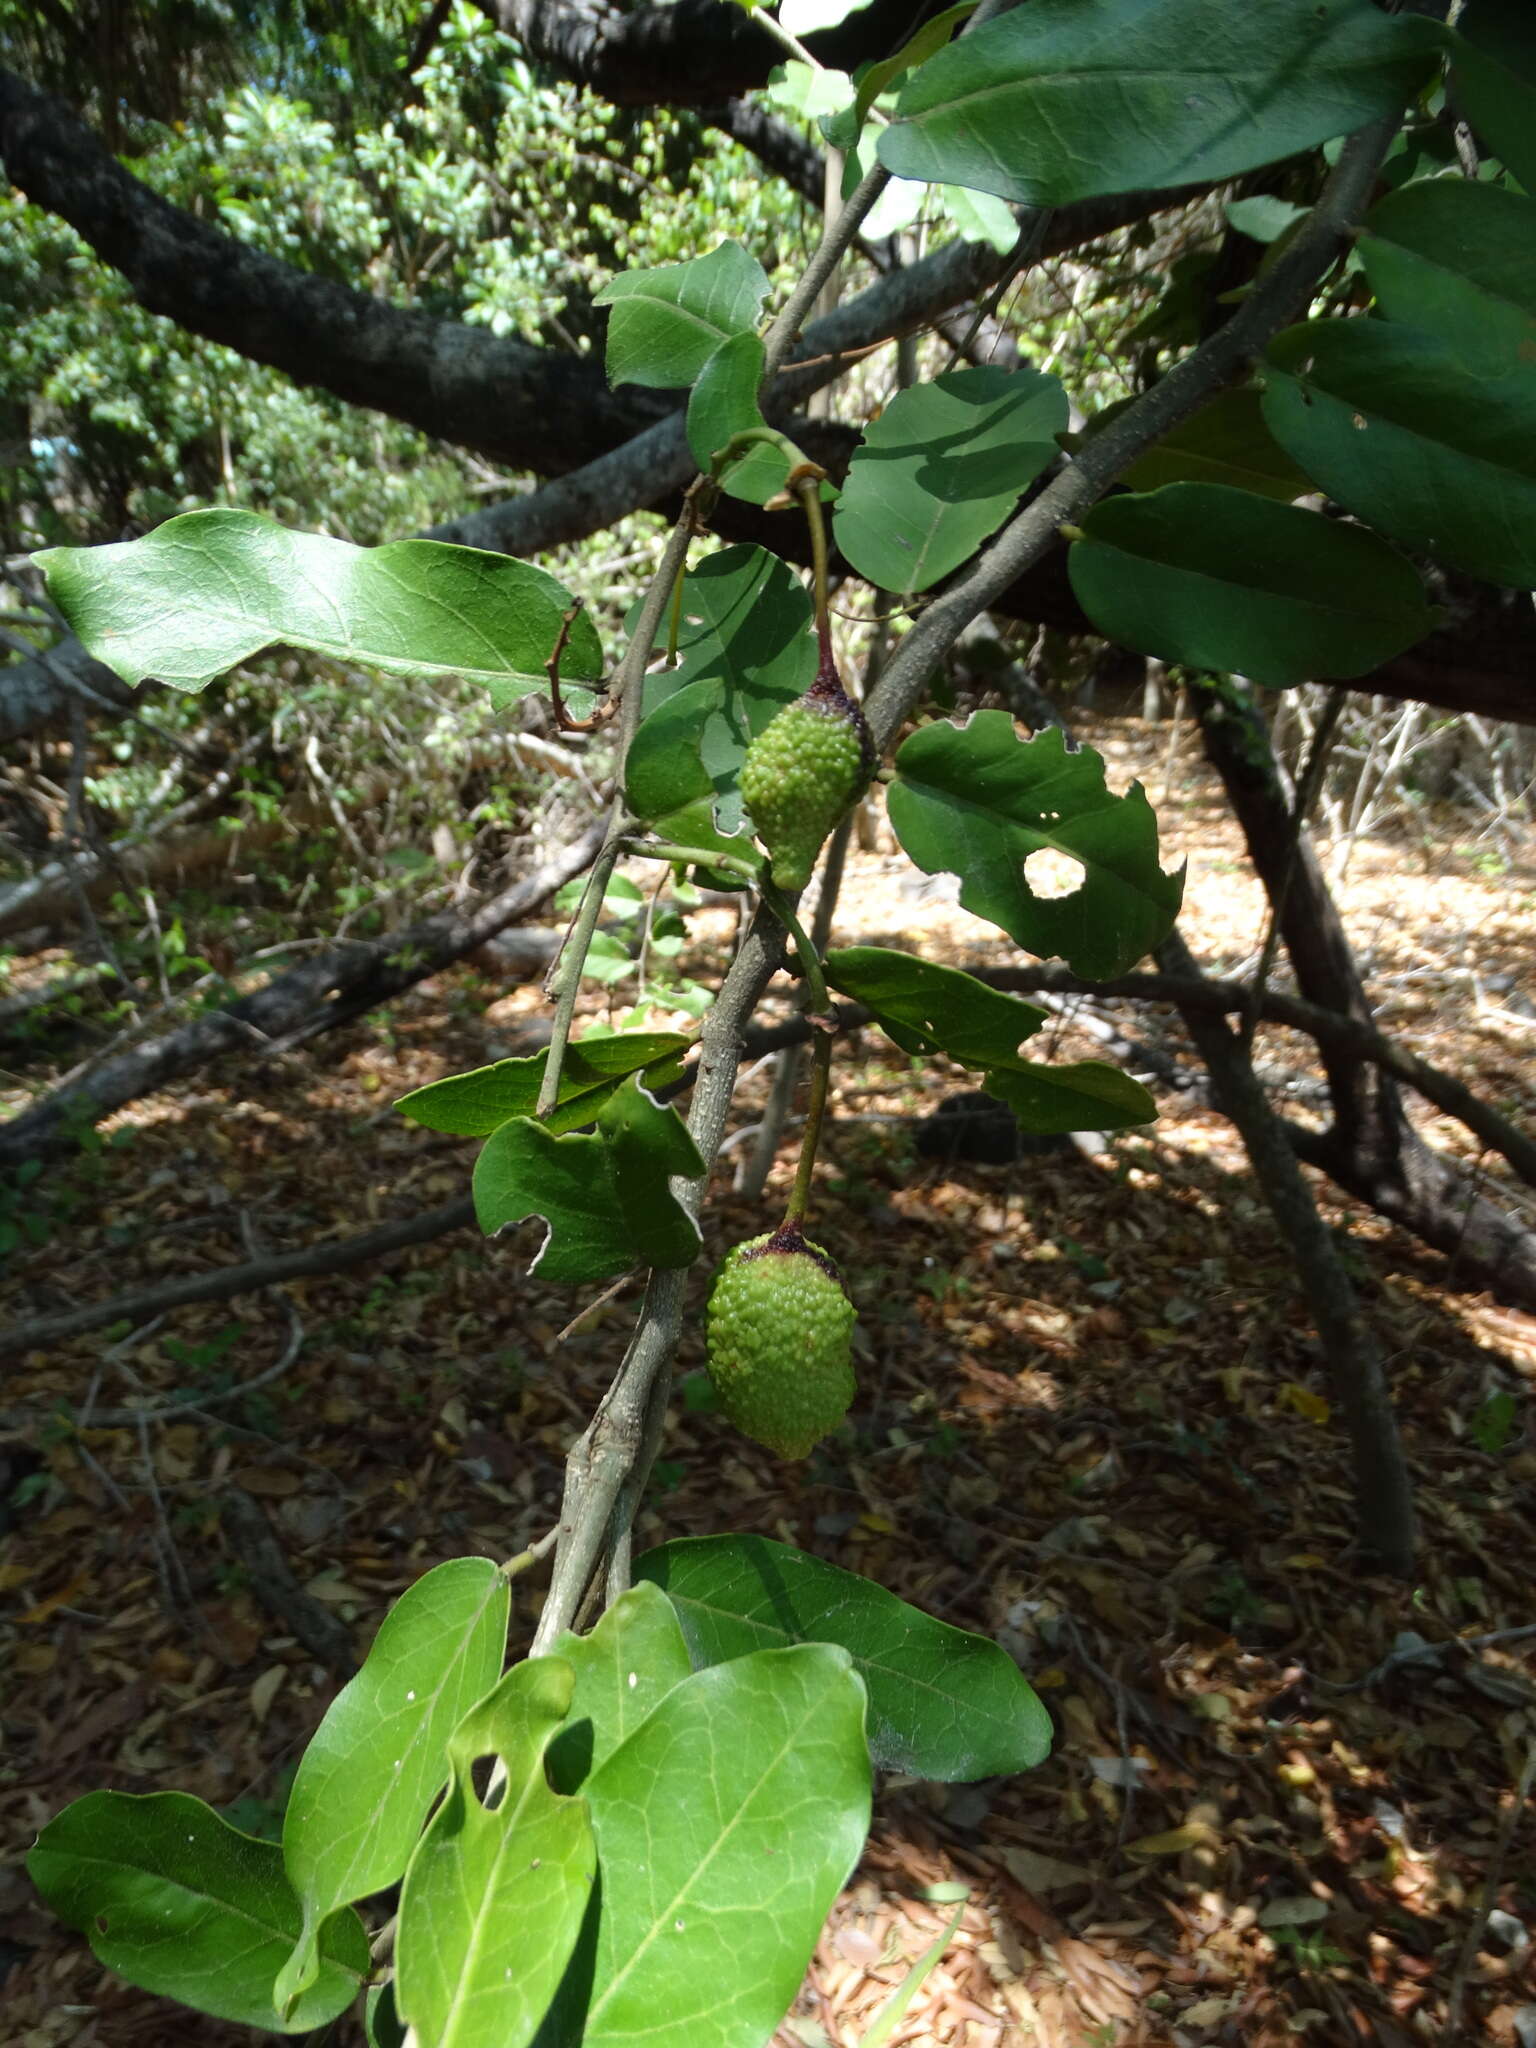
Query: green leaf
{"x": 1220, "y": 579}
{"x": 1396, "y": 427}
{"x": 1080, "y": 1095}
{"x": 808, "y": 91}
{"x": 941, "y": 469}
{"x": 209, "y": 589}
{"x": 495, "y": 1895}
{"x": 726, "y": 1826}
{"x": 381, "y": 2018}
{"x": 842, "y": 130}
{"x": 624, "y": 1669}
{"x": 1067, "y": 99}
{"x": 724, "y": 404}
{"x": 977, "y": 801}
{"x": 177, "y": 1901}
{"x": 980, "y": 217}
{"x": 667, "y": 323}
{"x": 473, "y": 1105}
{"x": 1493, "y": 80}
{"x": 745, "y": 650}
{"x": 927, "y": 1008}
{"x": 1226, "y": 442}
{"x": 380, "y": 1757}
{"x": 943, "y": 1703}
{"x": 1459, "y": 261}
{"x": 604, "y": 1199}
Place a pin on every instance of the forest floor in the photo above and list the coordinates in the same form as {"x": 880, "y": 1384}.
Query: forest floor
{"x": 1092, "y": 1423}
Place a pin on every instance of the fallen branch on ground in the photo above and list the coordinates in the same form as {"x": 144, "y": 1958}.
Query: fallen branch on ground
{"x": 334, "y": 986}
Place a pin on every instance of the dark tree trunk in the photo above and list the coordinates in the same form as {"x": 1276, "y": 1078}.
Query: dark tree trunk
{"x": 1371, "y": 1149}
{"x": 1382, "y": 1489}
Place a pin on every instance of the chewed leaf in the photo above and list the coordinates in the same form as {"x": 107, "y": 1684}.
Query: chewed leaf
{"x": 604, "y": 1198}
{"x": 978, "y": 802}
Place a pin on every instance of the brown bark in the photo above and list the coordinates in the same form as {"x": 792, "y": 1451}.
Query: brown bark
{"x": 1382, "y": 1488}
{"x": 1371, "y": 1149}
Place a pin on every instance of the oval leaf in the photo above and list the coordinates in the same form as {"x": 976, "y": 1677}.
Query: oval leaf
{"x": 977, "y": 801}
{"x": 927, "y": 1008}
{"x": 1066, "y": 99}
{"x": 942, "y": 1703}
{"x": 473, "y": 1105}
{"x": 1220, "y": 579}
{"x": 1459, "y": 261}
{"x": 1494, "y": 80}
{"x": 380, "y": 1757}
{"x": 495, "y": 1895}
{"x": 1077, "y": 1095}
{"x": 724, "y": 404}
{"x": 1226, "y": 442}
{"x": 726, "y": 1825}
{"x": 941, "y": 469}
{"x": 666, "y": 323}
{"x": 180, "y": 1903}
{"x": 1397, "y": 427}
{"x": 209, "y": 589}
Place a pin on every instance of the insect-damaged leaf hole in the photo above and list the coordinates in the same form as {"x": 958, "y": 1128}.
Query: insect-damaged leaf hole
{"x": 1050, "y": 875}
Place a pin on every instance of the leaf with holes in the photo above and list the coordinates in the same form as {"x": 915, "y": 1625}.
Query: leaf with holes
{"x": 495, "y": 1896}
{"x": 666, "y": 323}
{"x": 941, "y": 469}
{"x": 209, "y": 589}
{"x": 1220, "y": 579}
{"x": 745, "y": 650}
{"x": 473, "y": 1105}
{"x": 178, "y": 1902}
{"x": 1400, "y": 429}
{"x": 943, "y": 1703}
{"x": 1066, "y": 99}
{"x": 380, "y": 1757}
{"x": 604, "y": 1199}
{"x": 978, "y": 802}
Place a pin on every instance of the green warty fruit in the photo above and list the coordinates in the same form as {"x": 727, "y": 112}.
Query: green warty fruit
{"x": 802, "y": 772}
{"x": 779, "y": 1332}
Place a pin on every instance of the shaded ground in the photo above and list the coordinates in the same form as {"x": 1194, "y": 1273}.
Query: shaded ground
{"x": 1091, "y": 1423}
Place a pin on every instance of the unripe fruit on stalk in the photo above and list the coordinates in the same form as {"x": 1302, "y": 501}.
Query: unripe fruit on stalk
{"x": 802, "y": 772}
{"x": 780, "y": 1331}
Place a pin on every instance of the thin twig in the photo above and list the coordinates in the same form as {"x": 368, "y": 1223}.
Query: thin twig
{"x": 1492, "y": 1878}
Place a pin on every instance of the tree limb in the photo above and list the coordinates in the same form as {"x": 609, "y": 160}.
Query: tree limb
{"x": 334, "y": 1255}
